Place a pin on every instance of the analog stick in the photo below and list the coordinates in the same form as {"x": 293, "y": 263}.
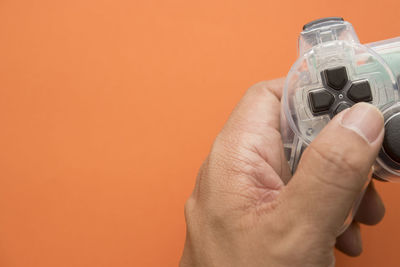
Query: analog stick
{"x": 391, "y": 142}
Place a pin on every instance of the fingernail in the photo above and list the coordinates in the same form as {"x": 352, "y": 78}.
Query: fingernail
{"x": 365, "y": 119}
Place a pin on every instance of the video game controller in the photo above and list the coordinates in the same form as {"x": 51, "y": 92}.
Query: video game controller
{"x": 333, "y": 72}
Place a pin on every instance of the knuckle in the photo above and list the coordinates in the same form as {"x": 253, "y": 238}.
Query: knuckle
{"x": 189, "y": 205}
{"x": 261, "y": 88}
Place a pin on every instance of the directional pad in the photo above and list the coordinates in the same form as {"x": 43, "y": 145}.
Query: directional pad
{"x": 321, "y": 100}
{"x": 336, "y": 78}
{"x": 360, "y": 91}
{"x": 339, "y": 93}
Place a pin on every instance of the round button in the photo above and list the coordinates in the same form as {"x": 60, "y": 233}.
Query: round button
{"x": 391, "y": 143}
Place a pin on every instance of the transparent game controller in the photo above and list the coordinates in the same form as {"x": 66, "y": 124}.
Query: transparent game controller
{"x": 333, "y": 72}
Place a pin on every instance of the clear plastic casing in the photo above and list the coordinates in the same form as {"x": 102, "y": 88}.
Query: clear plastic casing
{"x": 326, "y": 45}
{"x": 329, "y": 45}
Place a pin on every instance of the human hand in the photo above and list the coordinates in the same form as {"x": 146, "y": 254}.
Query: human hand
{"x": 244, "y": 211}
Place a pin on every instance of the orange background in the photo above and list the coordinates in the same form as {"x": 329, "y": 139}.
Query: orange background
{"x": 107, "y": 109}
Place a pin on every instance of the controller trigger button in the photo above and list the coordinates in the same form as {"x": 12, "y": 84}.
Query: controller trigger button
{"x": 317, "y": 22}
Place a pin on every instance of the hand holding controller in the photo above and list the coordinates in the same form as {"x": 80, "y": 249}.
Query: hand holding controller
{"x": 244, "y": 211}
{"x": 334, "y": 72}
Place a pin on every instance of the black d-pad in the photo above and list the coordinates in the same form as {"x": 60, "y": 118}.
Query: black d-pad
{"x": 360, "y": 91}
{"x": 336, "y": 78}
{"x": 339, "y": 93}
{"x": 321, "y": 100}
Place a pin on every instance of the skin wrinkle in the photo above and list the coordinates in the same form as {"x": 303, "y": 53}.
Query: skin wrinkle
{"x": 235, "y": 154}
{"x": 293, "y": 222}
{"x": 242, "y": 164}
{"x": 257, "y": 218}
{"x": 265, "y": 156}
{"x": 255, "y": 172}
{"x": 200, "y": 174}
{"x": 251, "y": 128}
{"x": 258, "y": 177}
{"x": 290, "y": 233}
{"x": 264, "y": 207}
{"x": 258, "y": 205}
{"x": 267, "y": 90}
{"x": 274, "y": 87}
{"x": 251, "y": 146}
{"x": 200, "y": 178}
{"x": 339, "y": 165}
{"x": 278, "y": 168}
{"x": 242, "y": 119}
{"x": 255, "y": 169}
{"x": 272, "y": 125}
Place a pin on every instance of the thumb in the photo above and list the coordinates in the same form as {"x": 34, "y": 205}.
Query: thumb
{"x": 335, "y": 167}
